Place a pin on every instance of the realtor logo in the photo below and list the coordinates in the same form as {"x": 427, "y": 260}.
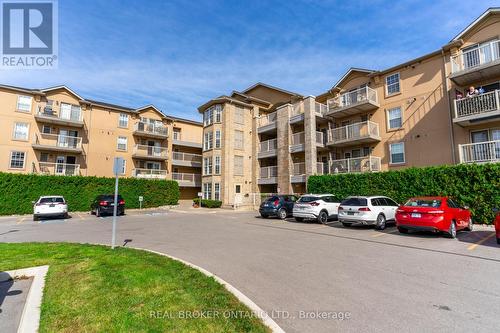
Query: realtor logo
{"x": 28, "y": 33}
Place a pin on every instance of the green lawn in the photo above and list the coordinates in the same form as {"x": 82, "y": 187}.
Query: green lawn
{"x": 94, "y": 289}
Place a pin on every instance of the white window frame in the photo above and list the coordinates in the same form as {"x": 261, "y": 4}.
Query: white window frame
{"x": 388, "y": 112}
{"x": 207, "y": 191}
{"x": 27, "y": 131}
{"x": 239, "y": 115}
{"x": 118, "y": 143}
{"x": 217, "y": 113}
{"x": 217, "y": 165}
{"x": 30, "y": 105}
{"x": 121, "y": 121}
{"x": 12, "y": 157}
{"x": 218, "y": 139}
{"x": 207, "y": 166}
{"x": 392, "y": 84}
{"x": 239, "y": 144}
{"x": 177, "y": 134}
{"x": 216, "y": 191}
{"x": 236, "y": 171}
{"x": 124, "y": 167}
{"x": 390, "y": 153}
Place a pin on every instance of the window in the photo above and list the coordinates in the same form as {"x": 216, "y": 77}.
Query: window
{"x": 208, "y": 141}
{"x": 177, "y": 134}
{"x": 24, "y": 103}
{"x": 123, "y": 120}
{"x": 208, "y": 117}
{"x": 394, "y": 118}
{"x": 21, "y": 131}
{"x": 238, "y": 189}
{"x": 216, "y": 191}
{"x": 17, "y": 159}
{"x": 397, "y": 152}
{"x": 207, "y": 190}
{"x": 46, "y": 129}
{"x": 239, "y": 115}
{"x": 218, "y": 113}
{"x": 217, "y": 165}
{"x": 124, "y": 167}
{"x": 207, "y": 166}
{"x": 122, "y": 143}
{"x": 238, "y": 139}
{"x": 238, "y": 165}
{"x": 392, "y": 82}
{"x": 44, "y": 157}
{"x": 217, "y": 139}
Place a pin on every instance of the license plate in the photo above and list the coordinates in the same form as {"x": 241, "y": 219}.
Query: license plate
{"x": 350, "y": 213}
{"x": 416, "y": 215}
{"x": 52, "y": 205}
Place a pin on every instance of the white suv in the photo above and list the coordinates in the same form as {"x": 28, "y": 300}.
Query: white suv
{"x": 50, "y": 206}
{"x": 316, "y": 206}
{"x": 373, "y": 210}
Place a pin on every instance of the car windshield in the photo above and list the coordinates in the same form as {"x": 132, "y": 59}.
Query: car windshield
{"x": 51, "y": 200}
{"x": 308, "y": 198}
{"x": 423, "y": 203}
{"x": 354, "y": 202}
{"x": 272, "y": 199}
{"x": 110, "y": 197}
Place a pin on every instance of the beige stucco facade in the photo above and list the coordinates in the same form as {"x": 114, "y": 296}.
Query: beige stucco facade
{"x": 56, "y": 131}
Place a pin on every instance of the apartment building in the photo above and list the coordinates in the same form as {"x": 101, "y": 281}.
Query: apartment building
{"x": 56, "y": 131}
{"x": 269, "y": 140}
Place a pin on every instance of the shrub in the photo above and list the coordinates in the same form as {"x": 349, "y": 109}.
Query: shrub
{"x": 208, "y": 203}
{"x": 473, "y": 185}
{"x": 18, "y": 190}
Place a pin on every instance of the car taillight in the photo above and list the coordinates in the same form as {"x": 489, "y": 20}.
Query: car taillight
{"x": 314, "y": 203}
{"x": 400, "y": 211}
{"x": 103, "y": 203}
{"x": 61, "y": 203}
{"x": 276, "y": 202}
{"x": 363, "y": 209}
{"x": 436, "y": 212}
{"x": 121, "y": 202}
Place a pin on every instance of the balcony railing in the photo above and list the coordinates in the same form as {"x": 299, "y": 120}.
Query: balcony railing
{"x": 477, "y": 105}
{"x": 476, "y": 57}
{"x": 58, "y": 141}
{"x": 149, "y": 173}
{"x": 151, "y": 128}
{"x": 480, "y": 152}
{"x": 268, "y": 146}
{"x": 269, "y": 172}
{"x": 189, "y": 178}
{"x": 320, "y": 109}
{"x": 60, "y": 169}
{"x": 353, "y": 132}
{"x": 268, "y": 119}
{"x": 357, "y": 164}
{"x": 186, "y": 157}
{"x": 150, "y": 151}
{"x": 321, "y": 168}
{"x": 320, "y": 138}
{"x": 72, "y": 113}
{"x": 351, "y": 98}
{"x": 299, "y": 169}
{"x": 297, "y": 108}
{"x": 298, "y": 138}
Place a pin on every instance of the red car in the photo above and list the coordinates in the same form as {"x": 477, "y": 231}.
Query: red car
{"x": 497, "y": 225}
{"x": 437, "y": 214}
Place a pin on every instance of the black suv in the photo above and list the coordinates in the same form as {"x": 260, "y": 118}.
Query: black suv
{"x": 277, "y": 205}
{"x": 104, "y": 204}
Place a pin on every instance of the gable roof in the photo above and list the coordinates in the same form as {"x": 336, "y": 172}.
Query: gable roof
{"x": 151, "y": 106}
{"x": 64, "y": 88}
{"x": 268, "y": 86}
{"x": 350, "y": 71}
{"x": 488, "y": 12}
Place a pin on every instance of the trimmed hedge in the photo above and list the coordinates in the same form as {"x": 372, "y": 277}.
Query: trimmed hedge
{"x": 19, "y": 190}
{"x": 208, "y": 203}
{"x": 473, "y": 185}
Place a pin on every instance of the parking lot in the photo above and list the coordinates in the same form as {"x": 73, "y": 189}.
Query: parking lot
{"x": 306, "y": 274}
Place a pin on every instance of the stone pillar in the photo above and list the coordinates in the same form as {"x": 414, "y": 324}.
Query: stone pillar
{"x": 283, "y": 155}
{"x": 255, "y": 150}
{"x": 310, "y": 135}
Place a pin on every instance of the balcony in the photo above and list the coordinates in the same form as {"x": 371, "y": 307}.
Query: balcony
{"x": 268, "y": 148}
{"x": 357, "y": 164}
{"x": 321, "y": 168}
{"x": 58, "y": 169}
{"x": 482, "y": 152}
{"x": 321, "y": 139}
{"x": 320, "y": 109}
{"x": 297, "y": 113}
{"x": 484, "y": 108}
{"x": 267, "y": 122}
{"x": 363, "y": 132}
{"x": 57, "y": 142}
{"x": 298, "y": 173}
{"x": 149, "y": 173}
{"x": 297, "y": 143}
{"x": 151, "y": 130}
{"x": 150, "y": 153}
{"x": 185, "y": 159}
{"x": 479, "y": 64}
{"x": 65, "y": 114}
{"x": 187, "y": 179}
{"x": 354, "y": 102}
{"x": 268, "y": 175}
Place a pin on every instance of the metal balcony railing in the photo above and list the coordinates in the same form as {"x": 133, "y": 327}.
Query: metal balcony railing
{"x": 365, "y": 94}
{"x": 480, "y": 152}
{"x": 320, "y": 137}
{"x": 299, "y": 169}
{"x": 298, "y": 138}
{"x": 194, "y": 178}
{"x": 482, "y": 55}
{"x": 357, "y": 164}
{"x": 477, "y": 105}
{"x": 58, "y": 141}
{"x": 60, "y": 169}
{"x": 269, "y": 172}
{"x": 63, "y": 111}
{"x": 150, "y": 151}
{"x": 269, "y": 145}
{"x": 320, "y": 109}
{"x": 268, "y": 119}
{"x": 355, "y": 131}
{"x": 297, "y": 108}
{"x": 151, "y": 128}
{"x": 187, "y": 157}
{"x": 149, "y": 173}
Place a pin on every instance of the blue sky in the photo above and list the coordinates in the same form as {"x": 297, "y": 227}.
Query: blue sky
{"x": 179, "y": 54}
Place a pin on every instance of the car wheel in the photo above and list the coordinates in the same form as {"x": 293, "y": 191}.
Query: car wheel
{"x": 35, "y": 218}
{"x": 347, "y": 225}
{"x": 470, "y": 225}
{"x": 264, "y": 216}
{"x": 98, "y": 212}
{"x": 452, "y": 230}
{"x": 498, "y": 240}
{"x": 299, "y": 219}
{"x": 323, "y": 217}
{"x": 282, "y": 214}
{"x": 65, "y": 216}
{"x": 381, "y": 222}
{"x": 402, "y": 230}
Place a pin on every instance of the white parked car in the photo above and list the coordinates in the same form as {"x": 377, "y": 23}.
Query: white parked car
{"x": 50, "y": 206}
{"x": 316, "y": 206}
{"x": 369, "y": 210}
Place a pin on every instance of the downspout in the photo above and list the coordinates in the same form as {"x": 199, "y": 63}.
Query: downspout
{"x": 450, "y": 111}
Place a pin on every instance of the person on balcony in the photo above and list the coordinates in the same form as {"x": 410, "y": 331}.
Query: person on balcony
{"x": 472, "y": 92}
